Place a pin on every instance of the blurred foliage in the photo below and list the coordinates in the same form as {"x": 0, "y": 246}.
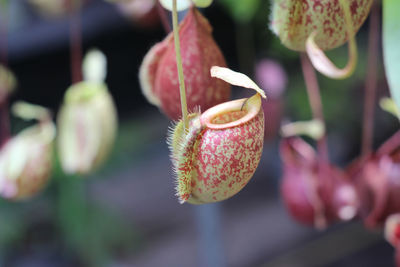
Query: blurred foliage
{"x": 242, "y": 11}
{"x": 96, "y": 234}
{"x": 11, "y": 225}
{"x": 95, "y": 231}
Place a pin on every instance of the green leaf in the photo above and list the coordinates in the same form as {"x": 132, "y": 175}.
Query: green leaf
{"x": 391, "y": 50}
{"x": 242, "y": 10}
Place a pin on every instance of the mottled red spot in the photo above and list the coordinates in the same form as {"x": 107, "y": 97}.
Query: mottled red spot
{"x": 186, "y": 167}
{"x": 336, "y": 4}
{"x": 299, "y": 20}
{"x": 216, "y": 182}
{"x": 185, "y": 197}
{"x": 235, "y": 163}
{"x": 305, "y": 5}
{"x": 353, "y": 8}
{"x": 327, "y": 28}
{"x": 329, "y": 8}
{"x": 308, "y": 20}
{"x": 317, "y": 5}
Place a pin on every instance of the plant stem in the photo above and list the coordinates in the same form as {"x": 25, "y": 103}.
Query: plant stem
{"x": 179, "y": 65}
{"x": 370, "y": 83}
{"x": 76, "y": 40}
{"x": 314, "y": 97}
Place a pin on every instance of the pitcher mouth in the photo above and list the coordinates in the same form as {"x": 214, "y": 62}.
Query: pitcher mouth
{"x": 232, "y": 113}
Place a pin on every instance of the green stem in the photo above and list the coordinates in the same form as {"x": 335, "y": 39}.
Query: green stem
{"x": 179, "y": 65}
